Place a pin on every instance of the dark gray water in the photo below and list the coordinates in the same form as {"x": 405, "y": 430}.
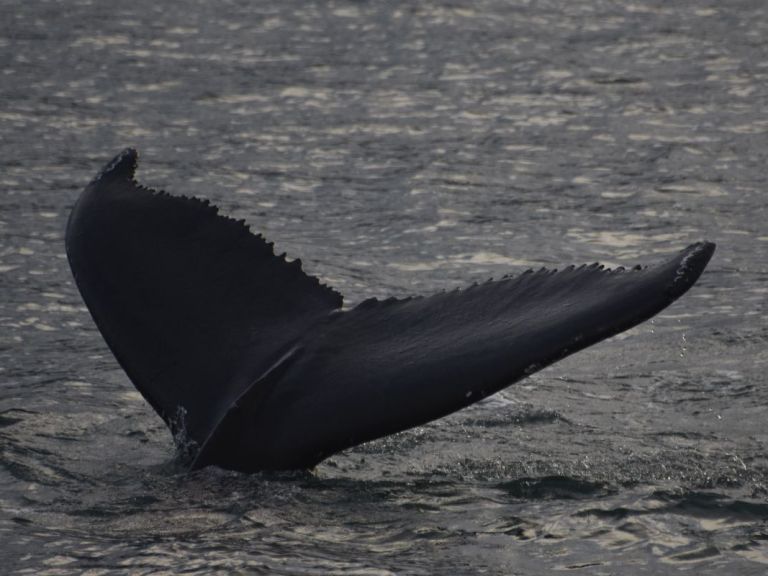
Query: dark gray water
{"x": 402, "y": 148}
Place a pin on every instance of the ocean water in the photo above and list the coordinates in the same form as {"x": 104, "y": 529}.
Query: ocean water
{"x": 398, "y": 149}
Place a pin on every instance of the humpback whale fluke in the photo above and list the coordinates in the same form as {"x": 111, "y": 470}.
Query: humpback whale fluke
{"x": 254, "y": 361}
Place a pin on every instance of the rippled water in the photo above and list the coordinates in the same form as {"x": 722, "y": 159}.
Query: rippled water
{"x": 400, "y": 149}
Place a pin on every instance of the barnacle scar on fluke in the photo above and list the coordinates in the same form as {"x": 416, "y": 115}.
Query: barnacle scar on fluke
{"x": 258, "y": 366}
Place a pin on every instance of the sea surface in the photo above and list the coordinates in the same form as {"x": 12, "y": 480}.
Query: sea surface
{"x": 402, "y": 148}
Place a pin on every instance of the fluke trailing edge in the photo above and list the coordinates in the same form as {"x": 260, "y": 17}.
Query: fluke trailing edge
{"x": 257, "y": 365}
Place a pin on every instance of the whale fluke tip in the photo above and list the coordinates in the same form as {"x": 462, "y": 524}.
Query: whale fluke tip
{"x": 691, "y": 262}
{"x": 121, "y": 166}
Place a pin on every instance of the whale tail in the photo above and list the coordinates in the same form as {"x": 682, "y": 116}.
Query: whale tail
{"x": 253, "y": 360}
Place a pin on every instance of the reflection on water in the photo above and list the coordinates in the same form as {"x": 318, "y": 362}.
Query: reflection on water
{"x": 401, "y": 150}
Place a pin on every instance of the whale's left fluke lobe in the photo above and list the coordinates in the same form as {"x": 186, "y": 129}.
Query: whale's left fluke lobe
{"x": 192, "y": 304}
{"x": 254, "y": 363}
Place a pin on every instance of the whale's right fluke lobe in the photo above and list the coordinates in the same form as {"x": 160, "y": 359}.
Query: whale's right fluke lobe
{"x": 386, "y": 366}
{"x": 255, "y": 361}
